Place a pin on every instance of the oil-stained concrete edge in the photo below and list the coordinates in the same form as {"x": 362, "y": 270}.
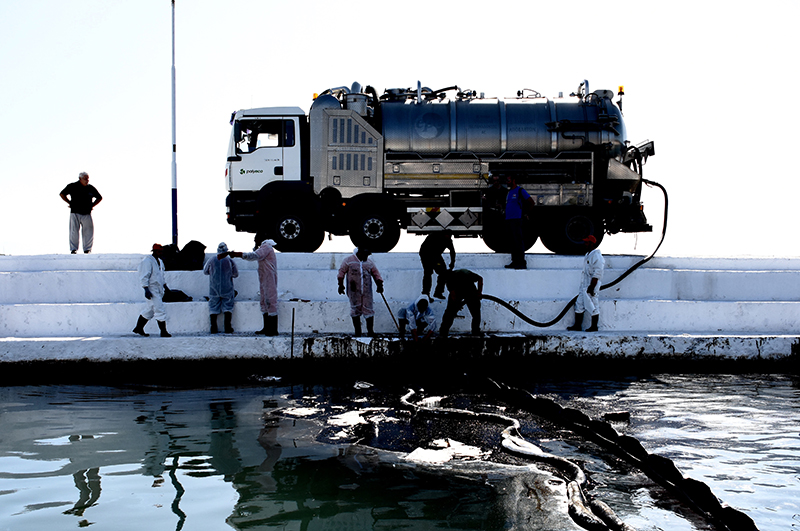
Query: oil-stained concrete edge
{"x": 490, "y": 346}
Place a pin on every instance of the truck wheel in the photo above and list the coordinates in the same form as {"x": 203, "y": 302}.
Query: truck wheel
{"x": 297, "y": 233}
{"x": 566, "y": 235}
{"x": 379, "y": 232}
{"x": 496, "y": 236}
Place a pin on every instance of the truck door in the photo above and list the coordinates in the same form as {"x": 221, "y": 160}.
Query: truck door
{"x": 266, "y": 150}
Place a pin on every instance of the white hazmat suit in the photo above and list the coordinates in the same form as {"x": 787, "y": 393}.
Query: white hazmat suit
{"x": 151, "y": 276}
{"x": 357, "y": 277}
{"x": 415, "y": 317}
{"x": 593, "y": 265}
{"x": 220, "y": 282}
{"x": 267, "y": 276}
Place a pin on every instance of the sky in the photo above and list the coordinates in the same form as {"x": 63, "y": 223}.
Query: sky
{"x": 85, "y": 85}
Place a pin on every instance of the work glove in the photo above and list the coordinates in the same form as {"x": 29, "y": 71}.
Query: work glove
{"x": 147, "y": 294}
{"x": 341, "y": 289}
{"x": 380, "y": 286}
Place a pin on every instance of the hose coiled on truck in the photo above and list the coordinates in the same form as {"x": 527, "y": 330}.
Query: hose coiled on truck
{"x": 611, "y": 284}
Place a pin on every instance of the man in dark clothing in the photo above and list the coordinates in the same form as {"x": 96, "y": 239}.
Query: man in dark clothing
{"x": 83, "y": 197}
{"x": 461, "y": 285}
{"x": 430, "y": 254}
{"x": 518, "y": 202}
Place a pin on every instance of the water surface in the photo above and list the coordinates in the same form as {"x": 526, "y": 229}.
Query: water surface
{"x": 284, "y": 457}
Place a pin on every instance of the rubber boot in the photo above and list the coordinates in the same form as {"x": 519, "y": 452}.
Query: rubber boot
{"x": 578, "y": 326}
{"x": 140, "y": 327}
{"x": 264, "y": 330}
{"x": 272, "y": 325}
{"x": 214, "y": 329}
{"x": 370, "y": 330}
{"x": 595, "y": 321}
{"x": 357, "y": 326}
{"x": 402, "y": 324}
{"x": 162, "y": 325}
{"x": 228, "y": 325}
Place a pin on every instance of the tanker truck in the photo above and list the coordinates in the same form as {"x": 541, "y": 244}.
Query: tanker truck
{"x": 425, "y": 160}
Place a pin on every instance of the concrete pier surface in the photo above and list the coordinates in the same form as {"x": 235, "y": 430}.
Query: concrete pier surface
{"x": 83, "y": 307}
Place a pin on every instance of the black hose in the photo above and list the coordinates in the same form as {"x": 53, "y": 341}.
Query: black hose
{"x": 619, "y": 279}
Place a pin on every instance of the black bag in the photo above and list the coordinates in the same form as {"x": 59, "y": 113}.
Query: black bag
{"x": 175, "y": 295}
{"x": 190, "y": 258}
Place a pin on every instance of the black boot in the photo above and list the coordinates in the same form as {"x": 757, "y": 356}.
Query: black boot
{"x": 272, "y": 325}
{"x": 214, "y": 329}
{"x": 228, "y": 325}
{"x": 370, "y": 329}
{"x": 264, "y": 330}
{"x": 357, "y": 326}
{"x": 162, "y": 325}
{"x": 578, "y": 326}
{"x": 402, "y": 324}
{"x": 595, "y": 321}
{"x": 140, "y": 327}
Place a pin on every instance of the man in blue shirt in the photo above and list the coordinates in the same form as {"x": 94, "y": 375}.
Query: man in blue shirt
{"x": 518, "y": 201}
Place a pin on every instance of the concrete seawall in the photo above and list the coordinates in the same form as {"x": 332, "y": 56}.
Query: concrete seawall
{"x": 62, "y": 307}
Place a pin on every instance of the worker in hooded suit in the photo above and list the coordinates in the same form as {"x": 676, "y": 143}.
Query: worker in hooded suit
{"x": 221, "y": 271}
{"x": 264, "y": 254}
{"x": 592, "y": 275}
{"x": 359, "y": 270}
{"x": 151, "y": 278}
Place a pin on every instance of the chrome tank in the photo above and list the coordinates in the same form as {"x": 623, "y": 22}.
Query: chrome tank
{"x": 495, "y": 127}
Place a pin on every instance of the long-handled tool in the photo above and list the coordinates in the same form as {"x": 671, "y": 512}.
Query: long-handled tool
{"x": 390, "y": 312}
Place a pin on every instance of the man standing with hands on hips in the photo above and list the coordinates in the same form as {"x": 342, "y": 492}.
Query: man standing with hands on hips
{"x": 83, "y": 197}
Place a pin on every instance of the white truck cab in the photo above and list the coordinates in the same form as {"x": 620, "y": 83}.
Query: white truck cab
{"x": 264, "y": 147}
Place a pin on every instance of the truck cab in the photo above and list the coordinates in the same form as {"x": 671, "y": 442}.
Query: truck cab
{"x": 264, "y": 147}
{"x": 267, "y": 155}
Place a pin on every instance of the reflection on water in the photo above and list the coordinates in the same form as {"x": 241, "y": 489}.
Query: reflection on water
{"x": 282, "y": 457}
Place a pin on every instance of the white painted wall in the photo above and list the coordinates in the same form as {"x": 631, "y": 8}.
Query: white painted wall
{"x": 99, "y": 295}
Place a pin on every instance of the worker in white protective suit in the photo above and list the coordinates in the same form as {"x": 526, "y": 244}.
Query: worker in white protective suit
{"x": 359, "y": 270}
{"x": 588, "y": 301}
{"x": 151, "y": 278}
{"x": 221, "y": 271}
{"x": 417, "y": 317}
{"x": 267, "y": 282}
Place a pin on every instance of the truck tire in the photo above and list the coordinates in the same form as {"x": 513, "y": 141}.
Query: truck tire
{"x": 495, "y": 236}
{"x": 565, "y": 234}
{"x": 377, "y": 231}
{"x": 295, "y": 232}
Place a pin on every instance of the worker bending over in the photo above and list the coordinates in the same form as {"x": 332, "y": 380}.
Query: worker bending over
{"x": 461, "y": 285}
{"x": 417, "y": 316}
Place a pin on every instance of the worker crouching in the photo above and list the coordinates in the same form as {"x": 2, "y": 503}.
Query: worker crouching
{"x": 417, "y": 317}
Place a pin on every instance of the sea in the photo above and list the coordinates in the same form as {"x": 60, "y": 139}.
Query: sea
{"x": 273, "y": 454}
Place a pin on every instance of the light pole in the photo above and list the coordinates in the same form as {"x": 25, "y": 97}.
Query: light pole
{"x": 174, "y": 162}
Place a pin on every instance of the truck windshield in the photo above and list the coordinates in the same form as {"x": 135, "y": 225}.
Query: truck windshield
{"x": 254, "y": 134}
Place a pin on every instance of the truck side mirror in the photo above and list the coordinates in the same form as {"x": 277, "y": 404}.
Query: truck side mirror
{"x": 235, "y": 158}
